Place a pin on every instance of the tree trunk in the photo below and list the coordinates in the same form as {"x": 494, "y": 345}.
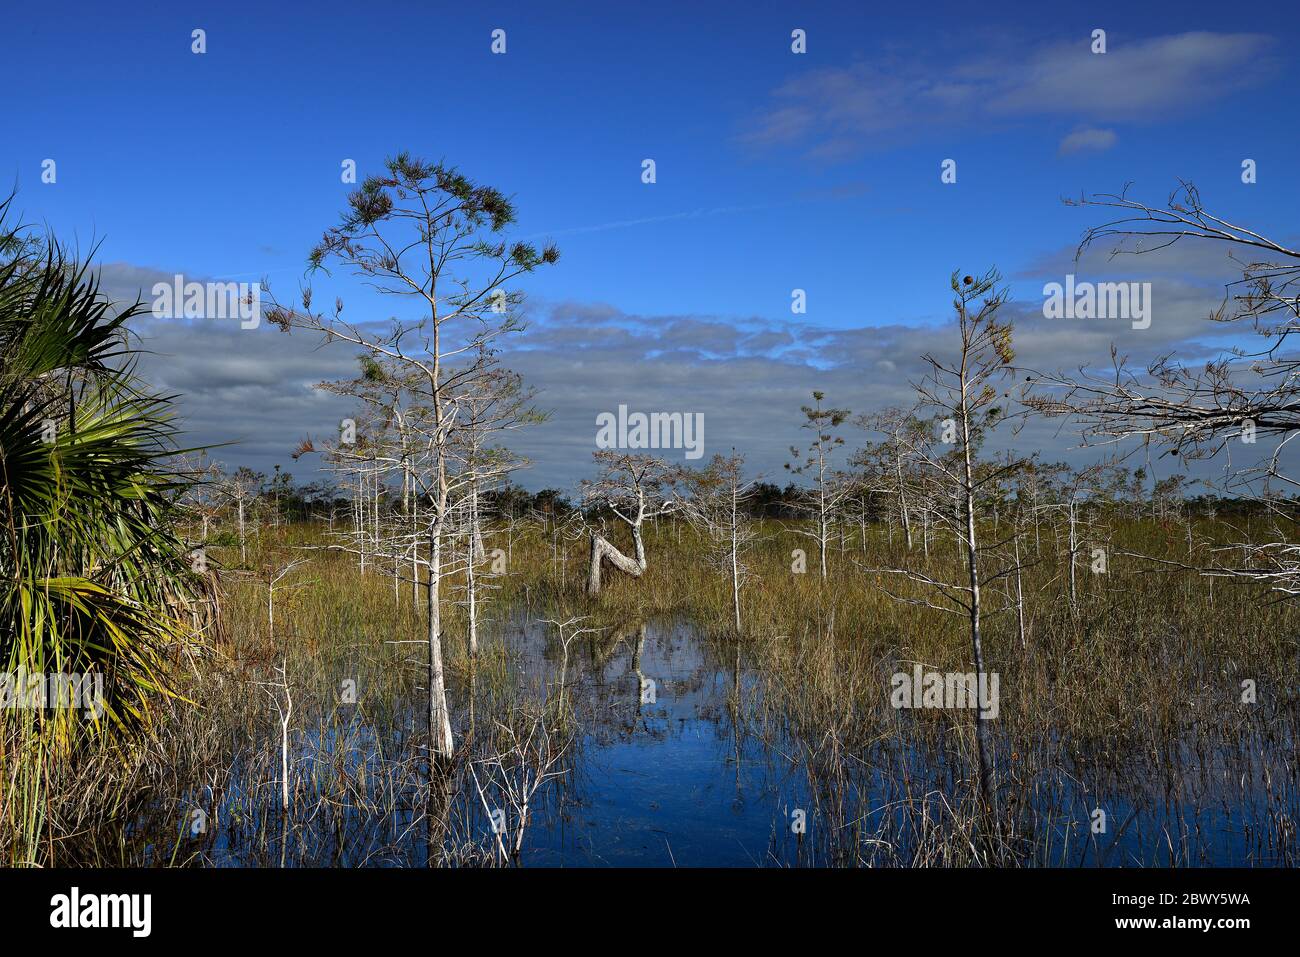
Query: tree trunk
{"x": 735, "y": 550}
{"x": 472, "y": 593}
{"x": 823, "y": 533}
{"x": 602, "y": 550}
{"x": 415, "y": 552}
{"x": 1020, "y": 600}
{"x": 440, "y": 743}
{"x": 1074, "y": 550}
{"x": 735, "y": 580}
{"x": 477, "y": 551}
{"x": 983, "y": 744}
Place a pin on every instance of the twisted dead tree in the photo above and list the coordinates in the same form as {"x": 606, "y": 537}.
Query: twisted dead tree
{"x": 634, "y": 488}
{"x": 1203, "y": 410}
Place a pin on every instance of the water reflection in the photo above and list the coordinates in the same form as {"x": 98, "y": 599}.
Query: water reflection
{"x": 681, "y": 758}
{"x": 667, "y": 775}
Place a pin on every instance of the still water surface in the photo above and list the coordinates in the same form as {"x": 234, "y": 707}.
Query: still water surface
{"x": 673, "y": 766}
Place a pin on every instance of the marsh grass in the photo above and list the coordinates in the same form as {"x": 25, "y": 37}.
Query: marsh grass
{"x": 1131, "y": 703}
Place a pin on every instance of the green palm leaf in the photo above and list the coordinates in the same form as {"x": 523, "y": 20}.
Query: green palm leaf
{"x": 94, "y": 576}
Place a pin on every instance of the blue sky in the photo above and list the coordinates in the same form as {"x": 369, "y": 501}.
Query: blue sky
{"x": 775, "y": 171}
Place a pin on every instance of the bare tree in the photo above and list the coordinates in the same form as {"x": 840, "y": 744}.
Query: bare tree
{"x": 243, "y": 488}
{"x": 424, "y": 232}
{"x": 889, "y": 464}
{"x": 717, "y": 499}
{"x": 962, "y": 394}
{"x": 1201, "y": 410}
{"x": 830, "y": 487}
{"x": 635, "y": 489}
{"x": 499, "y": 403}
{"x": 274, "y": 690}
{"x": 271, "y": 575}
{"x": 528, "y": 758}
{"x": 205, "y": 498}
{"x": 1068, "y": 494}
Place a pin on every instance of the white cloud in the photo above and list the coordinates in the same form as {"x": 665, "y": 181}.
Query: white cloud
{"x": 1087, "y": 140}
{"x": 747, "y": 375}
{"x": 838, "y": 111}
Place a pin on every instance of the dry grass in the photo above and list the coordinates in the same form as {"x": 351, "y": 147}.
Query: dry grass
{"x": 1142, "y": 682}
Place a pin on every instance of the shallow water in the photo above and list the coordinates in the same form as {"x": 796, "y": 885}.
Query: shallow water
{"x": 676, "y": 763}
{"x": 664, "y": 778}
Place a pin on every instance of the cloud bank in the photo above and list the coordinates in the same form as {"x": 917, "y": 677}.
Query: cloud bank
{"x": 748, "y": 376}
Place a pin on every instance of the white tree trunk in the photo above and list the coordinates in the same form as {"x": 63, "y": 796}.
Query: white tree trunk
{"x": 602, "y": 550}
{"x": 983, "y": 743}
{"x": 470, "y": 586}
{"x": 439, "y": 717}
